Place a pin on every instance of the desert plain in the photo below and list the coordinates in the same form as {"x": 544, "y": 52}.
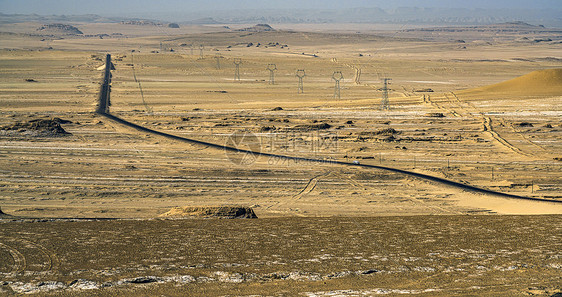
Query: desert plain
{"x": 82, "y": 196}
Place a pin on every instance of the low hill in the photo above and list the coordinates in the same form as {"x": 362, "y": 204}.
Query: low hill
{"x": 59, "y": 29}
{"x": 258, "y": 28}
{"x": 541, "y": 83}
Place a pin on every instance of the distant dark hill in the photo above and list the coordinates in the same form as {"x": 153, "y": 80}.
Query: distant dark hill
{"x": 59, "y": 29}
{"x": 519, "y": 27}
{"x": 259, "y": 28}
{"x": 505, "y": 31}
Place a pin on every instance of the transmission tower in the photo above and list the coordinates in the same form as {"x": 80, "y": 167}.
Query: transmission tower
{"x": 201, "y": 47}
{"x": 271, "y": 68}
{"x": 161, "y": 47}
{"x": 191, "y": 48}
{"x": 384, "y": 103}
{"x": 237, "y": 62}
{"x": 218, "y": 58}
{"x": 337, "y": 76}
{"x": 300, "y": 74}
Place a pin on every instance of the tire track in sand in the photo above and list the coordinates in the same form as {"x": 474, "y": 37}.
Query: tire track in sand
{"x": 19, "y": 260}
{"x": 30, "y": 256}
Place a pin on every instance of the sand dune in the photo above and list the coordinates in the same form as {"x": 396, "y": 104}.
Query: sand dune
{"x": 546, "y": 82}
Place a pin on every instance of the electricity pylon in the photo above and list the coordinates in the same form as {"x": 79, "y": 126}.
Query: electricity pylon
{"x": 271, "y": 68}
{"x": 384, "y": 103}
{"x": 300, "y": 74}
{"x": 237, "y": 62}
{"x": 337, "y": 76}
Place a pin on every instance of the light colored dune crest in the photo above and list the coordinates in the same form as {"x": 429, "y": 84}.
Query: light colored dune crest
{"x": 546, "y": 82}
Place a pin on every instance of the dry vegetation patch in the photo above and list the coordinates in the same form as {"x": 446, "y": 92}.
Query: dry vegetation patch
{"x": 38, "y": 128}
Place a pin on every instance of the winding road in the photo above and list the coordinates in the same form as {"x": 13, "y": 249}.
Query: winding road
{"x": 103, "y": 110}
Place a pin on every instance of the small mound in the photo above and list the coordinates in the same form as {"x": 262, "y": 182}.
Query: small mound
{"x": 383, "y": 132}
{"x": 102, "y": 67}
{"x": 40, "y": 127}
{"x": 223, "y": 212}
{"x": 311, "y": 127}
{"x": 4, "y": 215}
{"x": 435, "y": 115}
{"x": 59, "y": 28}
{"x": 542, "y": 82}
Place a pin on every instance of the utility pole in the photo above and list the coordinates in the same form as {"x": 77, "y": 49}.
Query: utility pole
{"x": 300, "y": 74}
{"x": 272, "y": 68}
{"x": 384, "y": 103}
{"x": 337, "y": 77}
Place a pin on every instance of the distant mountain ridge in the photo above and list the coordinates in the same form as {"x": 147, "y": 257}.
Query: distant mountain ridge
{"x": 86, "y": 18}
{"x": 401, "y": 15}
{"x": 518, "y": 27}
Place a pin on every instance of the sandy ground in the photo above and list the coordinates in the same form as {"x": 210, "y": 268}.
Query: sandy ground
{"x": 393, "y": 256}
{"x": 103, "y": 169}
{"x": 455, "y": 112}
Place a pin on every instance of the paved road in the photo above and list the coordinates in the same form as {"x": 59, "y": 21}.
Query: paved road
{"x": 103, "y": 109}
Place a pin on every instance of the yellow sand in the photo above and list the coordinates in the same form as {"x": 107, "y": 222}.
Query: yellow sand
{"x": 546, "y": 82}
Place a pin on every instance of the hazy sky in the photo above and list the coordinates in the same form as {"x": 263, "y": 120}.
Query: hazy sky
{"x": 139, "y": 7}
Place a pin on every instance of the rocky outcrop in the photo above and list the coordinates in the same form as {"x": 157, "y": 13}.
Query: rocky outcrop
{"x": 224, "y": 212}
{"x": 59, "y": 28}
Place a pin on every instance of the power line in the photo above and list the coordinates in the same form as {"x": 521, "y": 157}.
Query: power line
{"x": 146, "y": 107}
